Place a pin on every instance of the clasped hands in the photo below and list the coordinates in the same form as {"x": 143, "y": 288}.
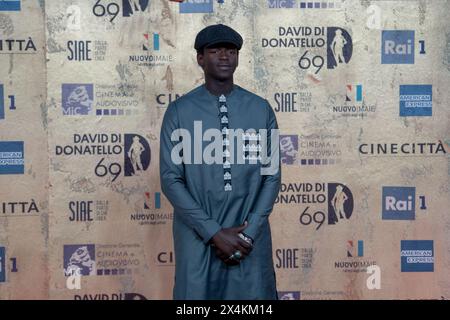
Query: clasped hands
{"x": 229, "y": 245}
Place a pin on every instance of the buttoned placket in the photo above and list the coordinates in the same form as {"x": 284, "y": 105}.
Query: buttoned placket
{"x": 223, "y": 116}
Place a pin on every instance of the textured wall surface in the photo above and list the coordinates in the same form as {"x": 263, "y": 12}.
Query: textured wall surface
{"x": 360, "y": 90}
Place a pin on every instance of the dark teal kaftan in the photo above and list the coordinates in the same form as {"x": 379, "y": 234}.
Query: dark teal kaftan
{"x": 202, "y": 206}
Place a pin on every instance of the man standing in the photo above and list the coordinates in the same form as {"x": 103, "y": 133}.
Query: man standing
{"x": 222, "y": 238}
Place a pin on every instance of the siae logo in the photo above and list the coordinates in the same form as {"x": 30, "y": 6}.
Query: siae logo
{"x": 79, "y": 50}
{"x": 287, "y": 258}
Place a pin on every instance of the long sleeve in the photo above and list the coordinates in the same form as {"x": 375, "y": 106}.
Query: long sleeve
{"x": 269, "y": 187}
{"x": 173, "y": 183}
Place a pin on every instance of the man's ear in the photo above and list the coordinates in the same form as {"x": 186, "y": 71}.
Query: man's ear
{"x": 200, "y": 60}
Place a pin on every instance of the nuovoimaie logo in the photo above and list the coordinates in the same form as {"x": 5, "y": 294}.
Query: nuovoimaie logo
{"x": 157, "y": 201}
{"x": 354, "y": 250}
{"x": 11, "y": 157}
{"x": 197, "y": 6}
{"x": 399, "y": 203}
{"x": 77, "y": 99}
{"x": 9, "y": 5}
{"x": 79, "y": 260}
{"x": 417, "y": 256}
{"x": 152, "y": 44}
{"x": 416, "y": 100}
{"x": 397, "y": 47}
{"x": 354, "y": 93}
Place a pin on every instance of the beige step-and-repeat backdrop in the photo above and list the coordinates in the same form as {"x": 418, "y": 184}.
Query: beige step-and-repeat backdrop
{"x": 361, "y": 93}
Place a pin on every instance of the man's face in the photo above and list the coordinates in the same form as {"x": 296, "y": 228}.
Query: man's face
{"x": 219, "y": 61}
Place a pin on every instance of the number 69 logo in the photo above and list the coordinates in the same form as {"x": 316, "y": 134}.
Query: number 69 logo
{"x": 317, "y": 217}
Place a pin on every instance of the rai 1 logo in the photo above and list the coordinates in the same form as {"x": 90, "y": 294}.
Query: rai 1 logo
{"x": 3, "y": 264}
{"x": 399, "y": 203}
{"x": 9, "y": 103}
{"x": 398, "y": 47}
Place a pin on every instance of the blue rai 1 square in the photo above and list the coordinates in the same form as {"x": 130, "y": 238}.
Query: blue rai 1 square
{"x": 397, "y": 47}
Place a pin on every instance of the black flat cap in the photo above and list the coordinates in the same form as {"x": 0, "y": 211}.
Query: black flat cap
{"x": 218, "y": 33}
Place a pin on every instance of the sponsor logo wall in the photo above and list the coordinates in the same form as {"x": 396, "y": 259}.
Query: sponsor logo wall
{"x": 361, "y": 96}
{"x": 24, "y": 171}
